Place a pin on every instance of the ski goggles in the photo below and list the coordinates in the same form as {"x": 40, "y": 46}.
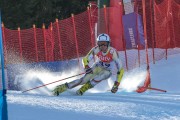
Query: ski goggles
{"x": 103, "y": 44}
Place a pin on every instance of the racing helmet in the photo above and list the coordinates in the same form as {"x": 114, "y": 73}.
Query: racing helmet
{"x": 103, "y": 37}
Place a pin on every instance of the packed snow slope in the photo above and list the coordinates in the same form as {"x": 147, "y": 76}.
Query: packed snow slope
{"x": 99, "y": 103}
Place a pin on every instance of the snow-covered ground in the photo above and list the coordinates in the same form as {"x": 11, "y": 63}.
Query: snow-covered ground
{"x": 99, "y": 103}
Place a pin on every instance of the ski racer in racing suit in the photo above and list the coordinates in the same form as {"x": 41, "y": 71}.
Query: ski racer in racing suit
{"x": 108, "y": 65}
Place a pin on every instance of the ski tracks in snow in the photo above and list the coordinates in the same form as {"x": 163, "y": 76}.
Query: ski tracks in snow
{"x": 124, "y": 106}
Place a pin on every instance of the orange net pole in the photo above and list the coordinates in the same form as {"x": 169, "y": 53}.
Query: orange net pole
{"x": 90, "y": 26}
{"x": 59, "y": 38}
{"x": 20, "y": 43}
{"x": 44, "y": 37}
{"x": 75, "y": 38}
{"x": 105, "y": 19}
{"x": 35, "y": 42}
{"x": 4, "y": 43}
{"x": 145, "y": 32}
{"x": 152, "y": 28}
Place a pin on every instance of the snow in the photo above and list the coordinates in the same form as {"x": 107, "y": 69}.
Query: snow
{"x": 99, "y": 103}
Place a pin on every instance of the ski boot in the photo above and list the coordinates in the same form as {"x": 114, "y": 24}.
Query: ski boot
{"x": 84, "y": 88}
{"x": 59, "y": 89}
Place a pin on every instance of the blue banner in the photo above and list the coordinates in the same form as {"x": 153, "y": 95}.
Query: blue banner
{"x": 133, "y": 31}
{"x": 3, "y": 102}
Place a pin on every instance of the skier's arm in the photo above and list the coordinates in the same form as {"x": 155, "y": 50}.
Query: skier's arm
{"x": 119, "y": 73}
{"x": 119, "y": 66}
{"x": 86, "y": 60}
{"x": 88, "y": 57}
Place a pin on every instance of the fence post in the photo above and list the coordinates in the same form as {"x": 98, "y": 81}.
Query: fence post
{"x": 51, "y": 55}
{"x": 124, "y": 43}
{"x": 137, "y": 32}
{"x": 169, "y": 18}
{"x": 74, "y": 29}
{"x": 152, "y": 34}
{"x": 167, "y": 30}
{"x": 4, "y": 42}
{"x": 59, "y": 39}
{"x": 105, "y": 19}
{"x": 44, "y": 36}
{"x": 125, "y": 52}
{"x": 20, "y": 43}
{"x": 166, "y": 40}
{"x": 90, "y": 26}
{"x": 35, "y": 42}
{"x": 172, "y": 19}
{"x": 145, "y": 31}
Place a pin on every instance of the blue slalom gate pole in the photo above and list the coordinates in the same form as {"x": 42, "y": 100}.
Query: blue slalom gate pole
{"x": 3, "y": 101}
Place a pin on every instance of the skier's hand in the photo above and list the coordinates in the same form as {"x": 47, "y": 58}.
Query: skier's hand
{"x": 88, "y": 70}
{"x": 115, "y": 87}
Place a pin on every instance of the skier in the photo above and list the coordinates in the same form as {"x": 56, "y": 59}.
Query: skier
{"x": 108, "y": 65}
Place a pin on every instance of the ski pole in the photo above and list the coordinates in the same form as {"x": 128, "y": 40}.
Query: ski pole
{"x": 52, "y": 82}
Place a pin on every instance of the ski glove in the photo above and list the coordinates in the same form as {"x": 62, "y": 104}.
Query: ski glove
{"x": 88, "y": 70}
{"x": 115, "y": 87}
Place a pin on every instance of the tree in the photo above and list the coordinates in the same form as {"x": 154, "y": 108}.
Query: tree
{"x": 25, "y": 13}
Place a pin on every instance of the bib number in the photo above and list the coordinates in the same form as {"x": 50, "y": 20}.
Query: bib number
{"x": 106, "y": 65}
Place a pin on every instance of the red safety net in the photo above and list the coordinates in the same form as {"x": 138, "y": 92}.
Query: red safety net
{"x": 73, "y": 37}
{"x": 162, "y": 26}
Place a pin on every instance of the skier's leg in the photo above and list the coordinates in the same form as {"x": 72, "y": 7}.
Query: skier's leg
{"x": 61, "y": 88}
{"x": 84, "y": 88}
{"x": 103, "y": 75}
{"x": 80, "y": 81}
{"x": 87, "y": 77}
